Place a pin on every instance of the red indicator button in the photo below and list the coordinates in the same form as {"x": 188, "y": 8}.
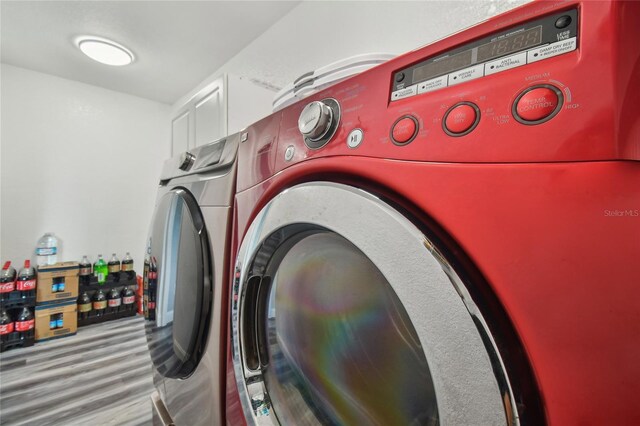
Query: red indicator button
{"x": 404, "y": 130}
{"x": 461, "y": 119}
{"x": 537, "y": 105}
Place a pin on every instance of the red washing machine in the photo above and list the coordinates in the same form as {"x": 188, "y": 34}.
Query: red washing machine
{"x": 451, "y": 237}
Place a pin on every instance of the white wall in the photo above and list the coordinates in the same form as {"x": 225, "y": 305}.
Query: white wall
{"x": 80, "y": 161}
{"x": 316, "y": 33}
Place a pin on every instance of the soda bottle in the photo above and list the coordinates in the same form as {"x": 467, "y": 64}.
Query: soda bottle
{"x": 128, "y": 299}
{"x": 100, "y": 270}
{"x": 47, "y": 250}
{"x": 84, "y": 306}
{"x": 99, "y": 303}
{"x": 127, "y": 267}
{"x": 113, "y": 301}
{"x": 26, "y": 283}
{"x": 114, "y": 268}
{"x": 25, "y": 324}
{"x": 7, "y": 281}
{"x": 6, "y": 326}
{"x": 145, "y": 281}
{"x": 85, "y": 271}
{"x": 153, "y": 281}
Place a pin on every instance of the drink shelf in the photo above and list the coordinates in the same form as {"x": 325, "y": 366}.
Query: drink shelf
{"x": 94, "y": 319}
{"x": 16, "y": 300}
{"x": 119, "y": 282}
{"x": 110, "y": 283}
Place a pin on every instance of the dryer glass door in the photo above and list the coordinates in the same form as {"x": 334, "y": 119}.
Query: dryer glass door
{"x": 344, "y": 313}
{"x": 331, "y": 314}
{"x": 180, "y": 296}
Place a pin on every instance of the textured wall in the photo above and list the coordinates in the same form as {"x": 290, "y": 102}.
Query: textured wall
{"x": 317, "y": 33}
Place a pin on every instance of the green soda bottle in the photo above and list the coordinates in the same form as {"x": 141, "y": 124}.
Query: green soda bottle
{"x": 100, "y": 269}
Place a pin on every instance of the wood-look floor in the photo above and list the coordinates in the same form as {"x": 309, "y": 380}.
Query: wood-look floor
{"x": 101, "y": 376}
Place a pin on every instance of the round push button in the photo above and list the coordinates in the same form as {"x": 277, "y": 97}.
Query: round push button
{"x": 563, "y": 21}
{"x": 537, "y": 104}
{"x": 355, "y": 138}
{"x": 461, "y": 119}
{"x": 404, "y": 130}
{"x": 288, "y": 154}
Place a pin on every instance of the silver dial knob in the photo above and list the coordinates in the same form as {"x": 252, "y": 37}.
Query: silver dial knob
{"x": 186, "y": 161}
{"x": 315, "y": 120}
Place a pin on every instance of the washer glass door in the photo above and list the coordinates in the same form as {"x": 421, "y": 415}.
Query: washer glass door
{"x": 178, "y": 300}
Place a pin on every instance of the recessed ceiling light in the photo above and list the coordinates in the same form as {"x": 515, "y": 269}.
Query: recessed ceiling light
{"x": 105, "y": 51}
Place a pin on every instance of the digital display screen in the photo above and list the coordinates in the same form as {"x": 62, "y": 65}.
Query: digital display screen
{"x": 513, "y": 43}
{"x": 504, "y": 46}
{"x": 443, "y": 66}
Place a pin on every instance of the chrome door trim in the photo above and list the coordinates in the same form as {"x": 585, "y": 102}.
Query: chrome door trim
{"x": 468, "y": 374}
{"x": 166, "y": 258}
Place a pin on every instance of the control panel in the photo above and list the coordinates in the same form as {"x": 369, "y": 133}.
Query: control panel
{"x": 575, "y": 106}
{"x": 214, "y": 156}
{"x": 525, "y": 44}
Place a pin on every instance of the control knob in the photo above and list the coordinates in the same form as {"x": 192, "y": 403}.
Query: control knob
{"x": 315, "y": 120}
{"x": 186, "y": 161}
{"x": 319, "y": 121}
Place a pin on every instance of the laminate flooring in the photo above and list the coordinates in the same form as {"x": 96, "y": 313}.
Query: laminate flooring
{"x": 100, "y": 376}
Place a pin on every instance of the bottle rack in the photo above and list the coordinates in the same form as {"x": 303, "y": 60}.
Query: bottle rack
{"x": 16, "y": 300}
{"x": 118, "y": 283}
{"x": 14, "y": 305}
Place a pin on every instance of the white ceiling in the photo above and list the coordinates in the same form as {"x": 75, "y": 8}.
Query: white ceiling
{"x": 176, "y": 43}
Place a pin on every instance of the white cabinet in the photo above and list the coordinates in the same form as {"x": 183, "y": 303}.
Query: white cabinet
{"x": 180, "y": 132}
{"x": 216, "y": 108}
{"x": 209, "y": 117}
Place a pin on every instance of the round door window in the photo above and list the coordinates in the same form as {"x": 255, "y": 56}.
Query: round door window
{"x": 178, "y": 286}
{"x": 344, "y": 313}
{"x": 341, "y": 349}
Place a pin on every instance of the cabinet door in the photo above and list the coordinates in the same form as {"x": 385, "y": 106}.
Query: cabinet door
{"x": 201, "y": 118}
{"x": 180, "y": 133}
{"x": 210, "y": 114}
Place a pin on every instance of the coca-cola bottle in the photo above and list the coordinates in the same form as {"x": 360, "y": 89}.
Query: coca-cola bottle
{"x": 127, "y": 267}
{"x": 7, "y": 281}
{"x": 84, "y": 305}
{"x": 6, "y": 326}
{"x": 26, "y": 283}
{"x": 128, "y": 299}
{"x": 99, "y": 303}
{"x": 113, "y": 301}
{"x": 114, "y": 268}
{"x": 85, "y": 271}
{"x": 25, "y": 323}
{"x": 145, "y": 280}
{"x": 153, "y": 281}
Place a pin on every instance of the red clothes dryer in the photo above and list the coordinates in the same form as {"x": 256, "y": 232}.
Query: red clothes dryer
{"x": 451, "y": 237}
